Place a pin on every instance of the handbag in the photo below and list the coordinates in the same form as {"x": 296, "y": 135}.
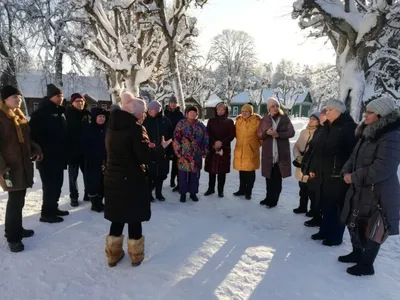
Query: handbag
{"x": 377, "y": 227}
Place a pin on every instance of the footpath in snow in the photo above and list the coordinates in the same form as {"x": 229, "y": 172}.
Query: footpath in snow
{"x": 221, "y": 249}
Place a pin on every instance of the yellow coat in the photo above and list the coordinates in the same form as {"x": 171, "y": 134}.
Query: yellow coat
{"x": 247, "y": 149}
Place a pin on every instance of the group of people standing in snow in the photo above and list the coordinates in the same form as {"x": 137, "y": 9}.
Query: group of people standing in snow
{"x": 350, "y": 175}
{"x": 350, "y": 178}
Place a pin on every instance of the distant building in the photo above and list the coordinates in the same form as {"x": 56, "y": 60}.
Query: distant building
{"x": 95, "y": 89}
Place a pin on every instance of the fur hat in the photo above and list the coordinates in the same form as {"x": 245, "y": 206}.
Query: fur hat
{"x": 77, "y": 96}
{"x": 382, "y": 106}
{"x": 8, "y": 91}
{"x": 336, "y": 104}
{"x": 53, "y": 90}
{"x": 155, "y": 105}
{"x": 272, "y": 101}
{"x": 248, "y": 107}
{"x": 192, "y": 108}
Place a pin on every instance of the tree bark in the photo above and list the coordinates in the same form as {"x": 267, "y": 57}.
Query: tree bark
{"x": 58, "y": 69}
{"x": 176, "y": 76}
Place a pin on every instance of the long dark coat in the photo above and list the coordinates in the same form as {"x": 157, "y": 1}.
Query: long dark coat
{"x": 49, "y": 130}
{"x": 222, "y": 129}
{"x": 174, "y": 116}
{"x": 286, "y": 131}
{"x": 77, "y": 120}
{"x": 15, "y": 157}
{"x": 373, "y": 167}
{"x": 94, "y": 149}
{"x": 126, "y": 189}
{"x": 156, "y": 128}
{"x": 332, "y": 146}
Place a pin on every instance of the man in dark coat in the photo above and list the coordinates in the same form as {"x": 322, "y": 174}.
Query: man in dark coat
{"x": 173, "y": 113}
{"x": 94, "y": 149}
{"x": 158, "y": 126}
{"x": 49, "y": 130}
{"x": 332, "y": 147}
{"x": 77, "y": 118}
{"x": 221, "y": 132}
{"x": 371, "y": 173}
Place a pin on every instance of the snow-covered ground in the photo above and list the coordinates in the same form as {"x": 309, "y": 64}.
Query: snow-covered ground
{"x": 226, "y": 248}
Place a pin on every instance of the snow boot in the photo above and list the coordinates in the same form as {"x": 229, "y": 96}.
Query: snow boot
{"x": 61, "y": 213}
{"x": 300, "y": 210}
{"x": 194, "y": 197}
{"x": 314, "y": 222}
{"x": 209, "y": 192}
{"x": 239, "y": 193}
{"x": 159, "y": 195}
{"x": 361, "y": 270}
{"x": 26, "y": 233}
{"x": 51, "y": 219}
{"x": 353, "y": 257}
{"x": 86, "y": 197}
{"x": 183, "y": 198}
{"x": 97, "y": 203}
{"x": 318, "y": 237}
{"x": 16, "y": 247}
{"x": 264, "y": 202}
{"x": 136, "y": 251}
{"x": 74, "y": 203}
{"x": 309, "y": 214}
{"x": 329, "y": 243}
{"x": 114, "y": 250}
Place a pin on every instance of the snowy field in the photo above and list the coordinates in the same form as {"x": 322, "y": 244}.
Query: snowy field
{"x": 226, "y": 248}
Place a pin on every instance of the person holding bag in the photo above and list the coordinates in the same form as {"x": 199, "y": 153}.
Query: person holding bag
{"x": 371, "y": 208}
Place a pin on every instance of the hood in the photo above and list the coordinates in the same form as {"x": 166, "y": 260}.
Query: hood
{"x": 226, "y": 110}
{"x": 120, "y": 120}
{"x": 384, "y": 125}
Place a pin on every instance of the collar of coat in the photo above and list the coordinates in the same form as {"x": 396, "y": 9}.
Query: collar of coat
{"x": 253, "y": 116}
{"x": 17, "y": 117}
{"x": 376, "y": 130}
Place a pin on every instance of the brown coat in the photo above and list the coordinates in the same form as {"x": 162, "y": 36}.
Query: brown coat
{"x": 300, "y": 147}
{"x": 15, "y": 156}
{"x": 286, "y": 131}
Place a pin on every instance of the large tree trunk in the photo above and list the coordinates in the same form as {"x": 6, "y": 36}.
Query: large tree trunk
{"x": 176, "y": 76}
{"x": 131, "y": 85}
{"x": 59, "y": 69}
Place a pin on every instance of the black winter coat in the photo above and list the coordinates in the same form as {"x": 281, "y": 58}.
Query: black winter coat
{"x": 94, "y": 150}
{"x": 49, "y": 131}
{"x": 156, "y": 128}
{"x": 76, "y": 121}
{"x": 332, "y": 147}
{"x": 126, "y": 189}
{"x": 174, "y": 116}
{"x": 373, "y": 167}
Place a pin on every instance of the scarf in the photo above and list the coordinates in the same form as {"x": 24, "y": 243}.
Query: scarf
{"x": 275, "y": 152}
{"x": 18, "y": 119}
{"x": 311, "y": 130}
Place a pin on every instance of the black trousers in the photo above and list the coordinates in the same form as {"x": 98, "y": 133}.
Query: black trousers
{"x": 274, "y": 185}
{"x": 52, "y": 181}
{"x": 73, "y": 171}
{"x": 134, "y": 229}
{"x": 157, "y": 183}
{"x": 13, "y": 224}
{"x": 174, "y": 169}
{"x": 368, "y": 249}
{"x": 304, "y": 195}
{"x": 247, "y": 179}
{"x": 212, "y": 179}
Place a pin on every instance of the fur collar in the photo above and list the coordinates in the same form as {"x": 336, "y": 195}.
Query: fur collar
{"x": 384, "y": 125}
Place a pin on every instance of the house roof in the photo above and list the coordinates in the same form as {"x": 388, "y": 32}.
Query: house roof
{"x": 33, "y": 85}
{"x": 213, "y": 101}
{"x": 243, "y": 97}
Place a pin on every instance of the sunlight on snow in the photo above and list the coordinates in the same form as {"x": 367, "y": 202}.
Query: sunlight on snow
{"x": 249, "y": 271}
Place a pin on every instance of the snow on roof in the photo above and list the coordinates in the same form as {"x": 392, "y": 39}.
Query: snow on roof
{"x": 303, "y": 96}
{"x": 241, "y": 98}
{"x": 213, "y": 101}
{"x": 33, "y": 85}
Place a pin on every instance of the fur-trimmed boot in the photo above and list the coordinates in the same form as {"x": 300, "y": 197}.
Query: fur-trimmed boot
{"x": 136, "y": 251}
{"x": 114, "y": 250}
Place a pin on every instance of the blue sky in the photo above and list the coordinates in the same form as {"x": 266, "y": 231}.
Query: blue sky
{"x": 276, "y": 34}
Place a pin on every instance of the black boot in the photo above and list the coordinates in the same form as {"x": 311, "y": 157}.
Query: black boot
{"x": 51, "y": 219}
{"x": 353, "y": 257}
{"x": 314, "y": 222}
{"x": 176, "y": 189}
{"x": 361, "y": 270}
{"x": 74, "y": 203}
{"x": 300, "y": 210}
{"x": 209, "y": 192}
{"x": 318, "y": 237}
{"x": 248, "y": 194}
{"x": 16, "y": 247}
{"x": 159, "y": 195}
{"x": 239, "y": 193}
{"x": 86, "y": 197}
{"x": 26, "y": 233}
{"x": 309, "y": 214}
{"x": 61, "y": 213}
{"x": 183, "y": 198}
{"x": 211, "y": 184}
{"x": 172, "y": 182}
{"x": 221, "y": 185}
{"x": 97, "y": 203}
{"x": 194, "y": 197}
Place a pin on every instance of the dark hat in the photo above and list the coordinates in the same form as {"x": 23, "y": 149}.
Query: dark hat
{"x": 8, "y": 91}
{"x": 192, "y": 108}
{"x": 173, "y": 99}
{"x": 53, "y": 90}
{"x": 77, "y": 96}
{"x": 97, "y": 111}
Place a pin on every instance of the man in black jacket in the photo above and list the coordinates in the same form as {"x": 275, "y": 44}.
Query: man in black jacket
{"x": 173, "y": 113}
{"x": 77, "y": 119}
{"x": 49, "y": 130}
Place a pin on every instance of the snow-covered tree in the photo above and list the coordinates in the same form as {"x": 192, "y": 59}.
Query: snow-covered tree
{"x": 287, "y": 92}
{"x": 324, "y": 85}
{"x": 359, "y": 31}
{"x": 234, "y": 52}
{"x": 284, "y": 70}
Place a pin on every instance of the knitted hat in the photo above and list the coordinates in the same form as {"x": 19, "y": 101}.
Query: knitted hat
{"x": 8, "y": 91}
{"x": 271, "y": 102}
{"x": 248, "y": 107}
{"x": 172, "y": 99}
{"x": 192, "y": 108}
{"x": 52, "y": 90}
{"x": 382, "y": 106}
{"x": 77, "y": 96}
{"x": 114, "y": 107}
{"x": 336, "y": 104}
{"x": 154, "y": 105}
{"x": 323, "y": 112}
{"x": 315, "y": 115}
